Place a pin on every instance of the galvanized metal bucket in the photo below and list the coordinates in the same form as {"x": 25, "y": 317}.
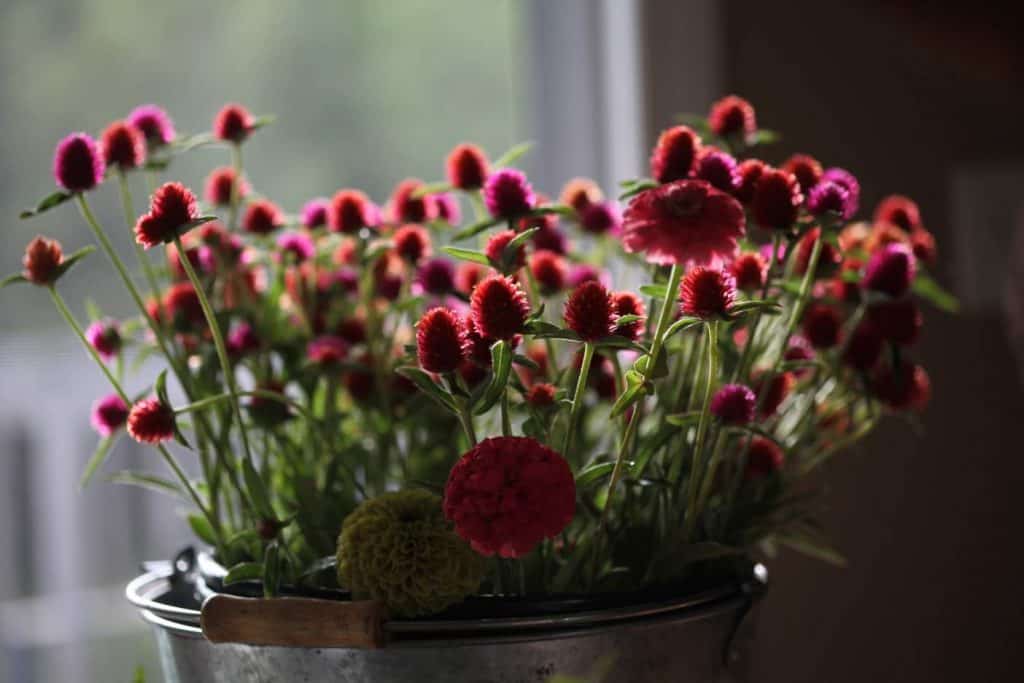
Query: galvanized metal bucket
{"x": 692, "y": 639}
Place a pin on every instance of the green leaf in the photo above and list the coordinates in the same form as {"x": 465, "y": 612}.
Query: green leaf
{"x": 201, "y": 528}
{"x": 683, "y": 323}
{"x": 501, "y": 365}
{"x": 520, "y": 359}
{"x": 139, "y": 676}
{"x": 51, "y": 200}
{"x": 619, "y": 342}
{"x": 930, "y": 290}
{"x": 547, "y": 209}
{"x": 147, "y": 481}
{"x": 536, "y": 327}
{"x": 657, "y": 291}
{"x": 627, "y": 319}
{"x": 684, "y": 419}
{"x": 596, "y": 472}
{"x": 190, "y": 225}
{"x": 99, "y": 456}
{"x": 512, "y": 154}
{"x": 765, "y": 137}
{"x": 519, "y": 240}
{"x": 271, "y": 570}
{"x": 71, "y": 260}
{"x": 558, "y": 333}
{"x": 11, "y": 279}
{"x": 636, "y": 189}
{"x": 244, "y": 571}
{"x": 428, "y": 386}
{"x": 160, "y": 387}
{"x": 813, "y": 548}
{"x": 698, "y": 552}
{"x": 476, "y": 229}
{"x": 261, "y": 121}
{"x": 745, "y": 307}
{"x": 431, "y": 188}
{"x": 318, "y": 565}
{"x": 186, "y": 143}
{"x": 257, "y": 489}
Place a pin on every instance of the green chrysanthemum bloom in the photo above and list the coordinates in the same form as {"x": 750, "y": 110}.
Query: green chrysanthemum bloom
{"x": 399, "y": 549}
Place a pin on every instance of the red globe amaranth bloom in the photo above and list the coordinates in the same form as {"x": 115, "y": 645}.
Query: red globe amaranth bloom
{"x": 734, "y": 404}
{"x": 864, "y": 347}
{"x": 218, "y": 186}
{"x": 171, "y": 208}
{"x": 352, "y": 330}
{"x": 776, "y": 199}
{"x": 475, "y": 346}
{"x": 509, "y": 493}
{"x": 732, "y": 115}
{"x": 349, "y": 212}
{"x": 108, "y": 414}
{"x": 314, "y": 213}
{"x": 579, "y": 193}
{"x": 764, "y": 458}
{"x": 799, "y": 350}
{"x": 828, "y": 196}
{"x": 719, "y": 169}
{"x": 407, "y": 208}
{"x": 684, "y": 222}
{"x": 499, "y": 307}
{"x": 181, "y": 303}
{"x": 589, "y": 311}
{"x": 468, "y": 167}
{"x": 775, "y": 390}
{"x": 750, "y": 270}
{"x": 42, "y": 261}
{"x": 706, "y": 292}
{"x": 822, "y": 325}
{"x": 923, "y": 244}
{"x": 898, "y": 321}
{"x": 262, "y": 217}
{"x": 508, "y": 194}
{"x": 628, "y": 303}
{"x": 806, "y": 168}
{"x": 890, "y": 270}
{"x": 541, "y": 395}
{"x": 549, "y": 270}
{"x": 899, "y": 211}
{"x": 468, "y": 275}
{"x": 749, "y": 172}
{"x": 829, "y": 258}
{"x": 242, "y": 340}
{"x": 298, "y": 245}
{"x": 326, "y": 350}
{"x": 124, "y": 145}
{"x": 674, "y": 154}
{"x": 550, "y": 238}
{"x": 883, "y": 234}
{"x": 151, "y": 421}
{"x": 439, "y": 339}
{"x": 447, "y": 207}
{"x": 495, "y": 251}
{"x": 437, "y": 277}
{"x": 847, "y": 181}
{"x": 233, "y": 123}
{"x": 905, "y": 387}
{"x": 601, "y": 218}
{"x": 154, "y": 123}
{"x": 77, "y": 163}
{"x": 412, "y": 243}
{"x": 104, "y": 336}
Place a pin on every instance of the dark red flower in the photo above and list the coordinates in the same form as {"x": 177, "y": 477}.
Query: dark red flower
{"x": 550, "y": 238}
{"x": 151, "y": 421}
{"x": 764, "y": 458}
{"x": 476, "y": 347}
{"x": 77, "y": 163}
{"x": 822, "y": 325}
{"x": 898, "y": 321}
{"x": 42, "y": 260}
{"x": 684, "y": 222}
{"x": 600, "y": 218}
{"x": 181, "y": 303}
{"x": 388, "y": 285}
{"x": 847, "y": 181}
{"x": 509, "y": 493}
{"x": 750, "y": 270}
{"x": 864, "y": 347}
{"x": 806, "y": 168}
{"x": 439, "y": 339}
{"x": 468, "y": 275}
{"x": 776, "y": 199}
{"x": 262, "y": 217}
{"x": 242, "y": 340}
{"x": 899, "y": 211}
{"x": 104, "y": 336}
{"x": 447, "y": 207}
{"x": 108, "y": 414}
{"x": 352, "y": 330}
{"x": 349, "y": 212}
{"x": 326, "y": 350}
{"x": 508, "y": 194}
{"x": 123, "y": 144}
{"x": 775, "y": 390}
{"x": 674, "y": 154}
{"x": 828, "y": 196}
{"x": 579, "y": 193}
{"x": 749, "y": 172}
{"x": 172, "y": 207}
{"x": 467, "y": 167}
{"x": 732, "y": 115}
{"x": 233, "y": 123}
{"x": 549, "y": 270}
{"x": 734, "y": 404}
{"x": 923, "y": 244}
{"x": 589, "y": 311}
{"x": 218, "y": 186}
{"x": 719, "y": 169}
{"x": 412, "y": 243}
{"x": 541, "y": 395}
{"x": 154, "y": 123}
{"x": 408, "y": 208}
{"x": 314, "y": 213}
{"x": 890, "y": 270}
{"x": 628, "y": 303}
{"x": 829, "y": 258}
{"x": 495, "y": 250}
{"x": 436, "y": 276}
{"x": 706, "y": 292}
{"x": 499, "y": 307}
{"x": 904, "y": 387}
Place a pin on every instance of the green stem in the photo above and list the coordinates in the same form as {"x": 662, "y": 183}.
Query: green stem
{"x": 537, "y": 300}
{"x": 506, "y": 422}
{"x": 747, "y": 355}
{"x": 236, "y": 164}
{"x": 711, "y": 361}
{"x": 201, "y": 403}
{"x": 129, "y": 219}
{"x": 577, "y": 398}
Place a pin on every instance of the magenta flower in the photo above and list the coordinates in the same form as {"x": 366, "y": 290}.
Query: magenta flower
{"x": 109, "y": 414}
{"x": 314, "y": 213}
{"x": 104, "y": 336}
{"x": 299, "y": 245}
{"x": 154, "y": 123}
{"x": 734, "y": 404}
{"x": 508, "y": 194}
{"x": 77, "y": 163}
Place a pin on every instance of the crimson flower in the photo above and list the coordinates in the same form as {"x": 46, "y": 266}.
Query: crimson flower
{"x": 898, "y": 321}
{"x": 750, "y": 270}
{"x": 495, "y": 250}
{"x": 806, "y": 168}
{"x": 350, "y": 212}
{"x": 589, "y": 311}
{"x": 499, "y": 307}
{"x": 436, "y": 276}
{"x": 628, "y": 303}
{"x": 467, "y": 167}
{"x": 549, "y": 270}
{"x": 903, "y": 387}
{"x": 314, "y": 213}
{"x": 412, "y": 243}
{"x": 732, "y": 115}
{"x": 109, "y": 414}
{"x": 104, "y": 336}
{"x": 262, "y": 217}
{"x": 890, "y": 270}
{"x": 749, "y": 172}
{"x": 707, "y": 292}
{"x": 776, "y": 199}
{"x": 734, "y": 404}
{"x": 600, "y": 218}
{"x": 508, "y": 194}
{"x": 124, "y": 145}
{"x": 77, "y": 163}
{"x": 579, "y": 193}
{"x": 326, "y": 350}
{"x": 218, "y": 186}
{"x": 233, "y": 123}
{"x": 822, "y": 325}
{"x": 171, "y": 208}
{"x": 764, "y": 458}
{"x": 899, "y": 211}
{"x": 406, "y": 207}
{"x": 154, "y": 123}
{"x": 439, "y": 341}
{"x": 42, "y": 261}
{"x": 674, "y": 154}
{"x": 151, "y": 421}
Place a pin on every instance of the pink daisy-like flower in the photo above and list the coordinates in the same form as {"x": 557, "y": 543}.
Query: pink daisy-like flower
{"x": 77, "y": 163}
{"x": 109, "y": 414}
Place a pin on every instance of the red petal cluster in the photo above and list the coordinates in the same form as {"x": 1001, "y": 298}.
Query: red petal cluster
{"x": 628, "y": 303}
{"x": 541, "y": 395}
{"x": 124, "y": 145}
{"x": 749, "y": 172}
{"x": 764, "y": 458}
{"x": 218, "y": 186}
{"x": 732, "y": 115}
{"x": 706, "y": 292}
{"x": 349, "y": 212}
{"x": 674, "y": 154}
{"x": 776, "y": 199}
{"x": 499, "y": 307}
{"x": 807, "y": 169}
{"x": 899, "y": 211}
{"x": 821, "y": 325}
{"x": 172, "y": 206}
{"x": 549, "y": 270}
{"x": 406, "y": 208}
{"x": 734, "y": 404}
{"x": 151, "y": 421}
{"x": 589, "y": 311}
{"x": 495, "y": 249}
{"x": 233, "y": 123}
{"x": 579, "y": 193}
{"x": 42, "y": 258}
{"x": 412, "y": 243}
{"x": 262, "y": 217}
{"x": 439, "y": 339}
{"x": 750, "y": 270}
{"x": 78, "y": 163}
{"x": 467, "y": 167}
{"x": 181, "y": 303}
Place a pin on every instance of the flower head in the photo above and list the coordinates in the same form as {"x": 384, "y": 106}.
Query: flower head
{"x": 734, "y": 404}
{"x": 749, "y": 172}
{"x": 154, "y": 123}
{"x": 219, "y": 183}
{"x": 350, "y": 212}
{"x": 468, "y": 275}
{"x": 242, "y": 340}
{"x": 151, "y": 421}
{"x": 42, "y": 261}
{"x": 77, "y": 163}
{"x": 579, "y": 193}
{"x": 495, "y": 251}
{"x": 262, "y": 217}
{"x": 233, "y": 123}
{"x": 398, "y": 549}
{"x": 848, "y": 182}
{"x": 806, "y": 168}
{"x": 549, "y": 270}
{"x": 447, "y": 207}
{"x": 508, "y": 493}
{"x": 408, "y": 207}
{"x": 628, "y": 303}
{"x": 776, "y": 199}
{"x": 674, "y": 154}
{"x": 586, "y": 272}
{"x": 821, "y": 325}
{"x": 684, "y": 222}
{"x": 109, "y": 414}
{"x": 719, "y": 169}
{"x": 589, "y": 311}
{"x": 123, "y": 144}
{"x": 864, "y": 347}
{"x": 439, "y": 340}
{"x": 550, "y": 238}
{"x": 508, "y": 194}
{"x": 732, "y": 115}
{"x": 764, "y": 458}
{"x": 181, "y": 303}
{"x": 541, "y": 395}
{"x": 104, "y": 336}
{"x": 499, "y": 307}
{"x": 436, "y": 276}
{"x": 467, "y": 166}
{"x": 326, "y": 350}
{"x": 601, "y": 218}
{"x": 890, "y": 270}
{"x": 314, "y": 213}
{"x": 412, "y": 243}
{"x": 923, "y": 244}
{"x": 750, "y": 270}
{"x": 707, "y": 292}
{"x": 899, "y": 211}
{"x": 829, "y": 258}
{"x": 299, "y": 245}
{"x": 828, "y": 196}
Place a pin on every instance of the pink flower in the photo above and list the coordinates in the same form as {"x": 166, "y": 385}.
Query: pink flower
{"x": 78, "y": 163}
{"x": 104, "y": 336}
{"x": 154, "y": 123}
{"x": 508, "y": 194}
{"x": 109, "y": 414}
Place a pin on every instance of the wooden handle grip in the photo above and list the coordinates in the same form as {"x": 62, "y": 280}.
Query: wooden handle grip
{"x": 293, "y": 622}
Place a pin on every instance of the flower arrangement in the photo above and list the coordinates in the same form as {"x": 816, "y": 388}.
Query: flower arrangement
{"x": 413, "y": 408}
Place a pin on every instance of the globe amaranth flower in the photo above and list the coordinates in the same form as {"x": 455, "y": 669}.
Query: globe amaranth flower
{"x": 508, "y": 194}
{"x": 923, "y": 244}
{"x": 806, "y": 168}
{"x": 719, "y": 169}
{"x": 776, "y": 199}
{"x": 262, "y": 217}
{"x": 903, "y": 387}
{"x": 707, "y": 292}
{"x": 684, "y": 222}
{"x": 314, "y": 213}
{"x": 586, "y": 272}
{"x": 863, "y": 349}
{"x": 764, "y": 458}
{"x": 826, "y": 197}
{"x": 900, "y": 211}
{"x": 509, "y": 493}
{"x": 749, "y": 171}
{"x": 154, "y": 123}
{"x": 42, "y": 261}
{"x": 628, "y": 303}
{"x": 495, "y": 251}
{"x": 822, "y": 325}
{"x": 217, "y": 190}
{"x": 151, "y": 421}
{"x": 439, "y": 341}
{"x": 579, "y": 193}
{"x": 541, "y": 395}
{"x": 412, "y": 243}
{"x": 109, "y": 414}
{"x": 499, "y": 307}
{"x": 233, "y": 123}
{"x": 600, "y": 218}
{"x": 181, "y": 304}
{"x": 349, "y": 212}
{"x": 104, "y": 336}
{"x": 77, "y": 163}
{"x": 297, "y": 245}
{"x": 447, "y": 207}
{"x": 407, "y": 206}
{"x": 551, "y": 238}
{"x": 468, "y": 275}
{"x": 799, "y": 349}
{"x": 898, "y": 321}
{"x": 848, "y": 182}
{"x": 734, "y": 404}
{"x": 890, "y": 270}
{"x": 467, "y": 167}
{"x": 674, "y": 154}
{"x": 123, "y": 145}
{"x": 476, "y": 347}
{"x": 732, "y": 115}
{"x": 775, "y": 387}
{"x": 750, "y": 270}
{"x": 829, "y": 258}
{"x": 436, "y": 276}
{"x": 326, "y": 350}
{"x": 549, "y": 270}
{"x": 398, "y": 549}
{"x": 589, "y": 311}
{"x": 242, "y": 340}
{"x": 171, "y": 208}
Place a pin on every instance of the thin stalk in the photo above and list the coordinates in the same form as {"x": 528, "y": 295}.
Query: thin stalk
{"x": 746, "y": 356}
{"x": 129, "y": 219}
{"x": 711, "y": 361}
{"x": 201, "y": 403}
{"x": 535, "y": 297}
{"x": 236, "y": 164}
{"x": 577, "y": 398}
{"x": 506, "y": 422}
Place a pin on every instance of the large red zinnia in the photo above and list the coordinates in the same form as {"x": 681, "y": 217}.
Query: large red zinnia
{"x": 685, "y": 222}
{"x": 509, "y": 493}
